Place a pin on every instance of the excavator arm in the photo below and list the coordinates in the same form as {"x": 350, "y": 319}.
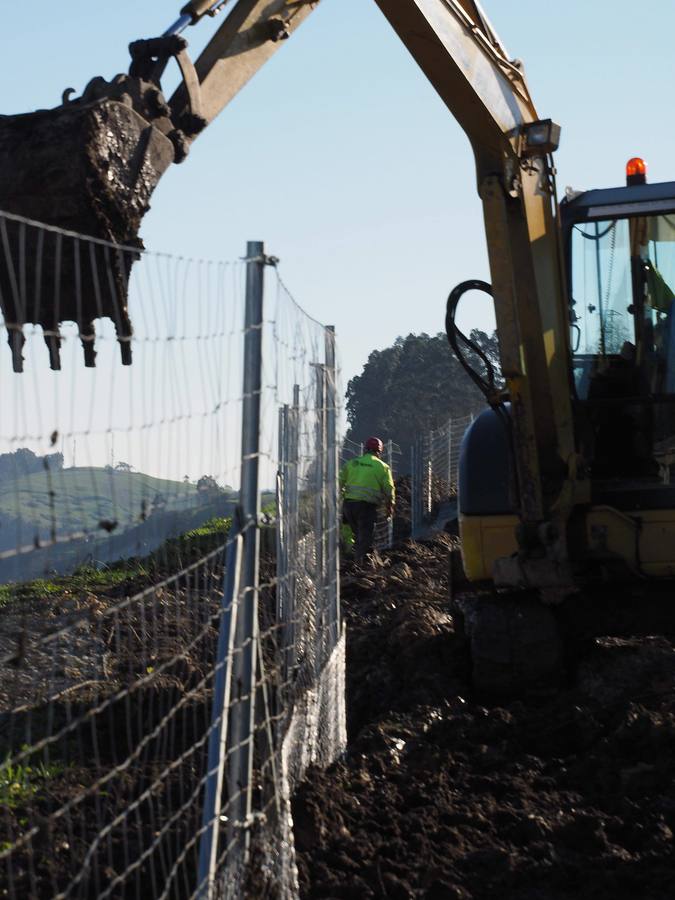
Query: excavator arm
{"x": 486, "y": 91}
{"x": 250, "y": 35}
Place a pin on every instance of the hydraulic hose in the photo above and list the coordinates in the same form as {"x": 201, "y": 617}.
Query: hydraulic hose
{"x": 459, "y": 342}
{"x": 487, "y": 385}
{"x": 192, "y": 12}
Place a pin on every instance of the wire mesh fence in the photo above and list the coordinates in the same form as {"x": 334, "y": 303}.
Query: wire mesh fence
{"x": 170, "y": 649}
{"x": 433, "y": 465}
{"x": 384, "y": 527}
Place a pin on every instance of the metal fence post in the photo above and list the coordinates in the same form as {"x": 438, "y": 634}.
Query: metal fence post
{"x": 213, "y": 787}
{"x": 450, "y": 472}
{"x": 429, "y": 472}
{"x": 279, "y": 528}
{"x": 419, "y": 484}
{"x": 240, "y": 767}
{"x": 413, "y": 490}
{"x": 332, "y": 494}
{"x": 293, "y": 524}
{"x": 282, "y": 525}
{"x": 320, "y": 513}
{"x": 390, "y": 520}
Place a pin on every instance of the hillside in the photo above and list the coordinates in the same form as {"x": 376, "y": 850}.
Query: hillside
{"x": 78, "y": 499}
{"x": 82, "y": 516}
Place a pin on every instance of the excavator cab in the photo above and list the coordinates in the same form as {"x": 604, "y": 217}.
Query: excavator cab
{"x": 619, "y": 253}
{"x": 621, "y": 275}
{"x": 615, "y": 525}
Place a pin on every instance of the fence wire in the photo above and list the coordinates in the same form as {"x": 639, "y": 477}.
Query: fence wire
{"x": 433, "y": 465}
{"x": 118, "y": 612}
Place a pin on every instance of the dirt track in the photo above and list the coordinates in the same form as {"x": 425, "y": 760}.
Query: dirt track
{"x": 440, "y": 797}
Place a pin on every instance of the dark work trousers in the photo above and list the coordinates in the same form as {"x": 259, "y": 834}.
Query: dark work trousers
{"x": 361, "y": 516}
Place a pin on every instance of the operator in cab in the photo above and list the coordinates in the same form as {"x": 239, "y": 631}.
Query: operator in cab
{"x": 366, "y": 482}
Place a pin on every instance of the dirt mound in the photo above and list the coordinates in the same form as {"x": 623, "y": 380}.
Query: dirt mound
{"x": 442, "y": 797}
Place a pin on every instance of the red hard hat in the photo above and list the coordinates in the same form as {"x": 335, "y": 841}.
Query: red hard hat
{"x": 374, "y": 444}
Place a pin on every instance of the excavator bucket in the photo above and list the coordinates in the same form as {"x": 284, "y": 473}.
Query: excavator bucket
{"x": 88, "y": 167}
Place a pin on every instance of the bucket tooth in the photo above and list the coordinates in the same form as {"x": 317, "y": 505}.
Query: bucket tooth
{"x": 87, "y": 340}
{"x": 53, "y": 342}
{"x": 16, "y": 340}
{"x": 124, "y": 331}
{"x": 125, "y": 351}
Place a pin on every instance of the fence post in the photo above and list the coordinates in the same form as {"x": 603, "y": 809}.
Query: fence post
{"x": 293, "y": 524}
{"x": 332, "y": 494}
{"x": 282, "y": 525}
{"x": 450, "y": 473}
{"x": 390, "y": 521}
{"x": 279, "y": 527}
{"x": 213, "y": 787}
{"x": 413, "y": 489}
{"x": 320, "y": 513}
{"x": 429, "y": 472}
{"x": 240, "y": 767}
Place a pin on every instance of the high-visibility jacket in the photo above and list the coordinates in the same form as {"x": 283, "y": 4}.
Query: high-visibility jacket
{"x": 367, "y": 478}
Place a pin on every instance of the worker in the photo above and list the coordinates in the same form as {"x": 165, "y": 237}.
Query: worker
{"x": 365, "y": 483}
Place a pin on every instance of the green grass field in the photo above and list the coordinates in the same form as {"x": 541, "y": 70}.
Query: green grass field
{"x": 127, "y": 575}
{"x": 78, "y": 499}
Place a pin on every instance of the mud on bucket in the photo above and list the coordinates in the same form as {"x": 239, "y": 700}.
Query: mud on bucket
{"x": 86, "y": 168}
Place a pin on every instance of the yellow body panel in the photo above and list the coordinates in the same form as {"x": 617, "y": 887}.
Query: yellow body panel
{"x": 644, "y": 540}
{"x": 485, "y": 539}
{"x": 656, "y": 543}
{"x": 612, "y": 533}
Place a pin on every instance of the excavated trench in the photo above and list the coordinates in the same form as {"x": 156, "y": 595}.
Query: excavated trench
{"x": 442, "y": 796}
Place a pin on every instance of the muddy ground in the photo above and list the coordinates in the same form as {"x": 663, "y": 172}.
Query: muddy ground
{"x": 443, "y": 796}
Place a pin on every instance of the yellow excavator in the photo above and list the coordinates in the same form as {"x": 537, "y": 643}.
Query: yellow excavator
{"x": 564, "y": 479}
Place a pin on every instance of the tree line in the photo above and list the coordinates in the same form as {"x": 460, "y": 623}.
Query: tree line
{"x": 24, "y": 462}
{"x": 413, "y": 386}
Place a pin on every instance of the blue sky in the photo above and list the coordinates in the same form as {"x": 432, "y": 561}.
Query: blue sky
{"x": 340, "y": 156}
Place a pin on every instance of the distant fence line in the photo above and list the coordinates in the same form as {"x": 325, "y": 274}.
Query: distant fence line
{"x": 434, "y": 462}
{"x": 155, "y": 720}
